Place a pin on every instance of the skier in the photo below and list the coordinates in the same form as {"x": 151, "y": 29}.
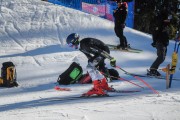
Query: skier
{"x": 96, "y": 52}
{"x": 160, "y": 40}
{"x": 120, "y": 14}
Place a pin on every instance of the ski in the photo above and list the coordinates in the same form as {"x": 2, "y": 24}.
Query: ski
{"x": 133, "y": 50}
{"x": 116, "y": 91}
{"x": 139, "y": 79}
{"x": 126, "y": 91}
{"x": 145, "y": 75}
{"x": 70, "y": 98}
{"x": 126, "y": 50}
{"x": 109, "y": 95}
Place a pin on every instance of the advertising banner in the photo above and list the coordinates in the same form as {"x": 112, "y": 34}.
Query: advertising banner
{"x": 95, "y": 9}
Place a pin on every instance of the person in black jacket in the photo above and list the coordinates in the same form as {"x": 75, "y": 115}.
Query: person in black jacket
{"x": 160, "y": 40}
{"x": 96, "y": 52}
{"x": 120, "y": 14}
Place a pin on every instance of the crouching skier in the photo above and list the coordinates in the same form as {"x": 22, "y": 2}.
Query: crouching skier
{"x": 96, "y": 52}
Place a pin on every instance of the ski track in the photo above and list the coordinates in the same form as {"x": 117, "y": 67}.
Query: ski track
{"x": 55, "y": 19}
{"x": 23, "y": 38}
{"x": 7, "y": 30}
{"x": 59, "y": 33}
{"x": 15, "y": 26}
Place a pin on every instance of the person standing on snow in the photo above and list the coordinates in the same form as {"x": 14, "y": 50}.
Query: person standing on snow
{"x": 178, "y": 31}
{"x": 160, "y": 40}
{"x": 120, "y": 14}
{"x": 96, "y": 52}
{"x": 178, "y": 37}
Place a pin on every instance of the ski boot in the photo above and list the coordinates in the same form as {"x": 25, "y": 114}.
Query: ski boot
{"x": 153, "y": 72}
{"x": 128, "y": 46}
{"x": 120, "y": 46}
{"x": 105, "y": 86}
{"x": 96, "y": 90}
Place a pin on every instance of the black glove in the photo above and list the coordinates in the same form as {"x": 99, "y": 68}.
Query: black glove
{"x": 113, "y": 62}
{"x": 153, "y": 44}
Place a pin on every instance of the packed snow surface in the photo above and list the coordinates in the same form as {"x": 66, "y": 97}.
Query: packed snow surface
{"x": 33, "y": 35}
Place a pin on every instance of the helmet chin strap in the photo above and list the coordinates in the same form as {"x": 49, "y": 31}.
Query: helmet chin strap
{"x": 73, "y": 46}
{"x": 70, "y": 45}
{"x": 76, "y": 46}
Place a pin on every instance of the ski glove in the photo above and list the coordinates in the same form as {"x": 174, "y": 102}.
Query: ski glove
{"x": 113, "y": 62}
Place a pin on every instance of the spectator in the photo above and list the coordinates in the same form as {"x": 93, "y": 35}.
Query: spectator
{"x": 160, "y": 38}
{"x": 120, "y": 14}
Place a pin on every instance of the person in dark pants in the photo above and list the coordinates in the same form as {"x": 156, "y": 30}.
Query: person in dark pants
{"x": 178, "y": 37}
{"x": 120, "y": 14}
{"x": 178, "y": 30}
{"x": 96, "y": 52}
{"x": 160, "y": 40}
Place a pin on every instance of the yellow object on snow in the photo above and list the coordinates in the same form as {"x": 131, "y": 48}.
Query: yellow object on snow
{"x": 174, "y": 62}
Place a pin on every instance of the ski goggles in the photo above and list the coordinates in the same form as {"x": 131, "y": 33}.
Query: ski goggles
{"x": 75, "y": 41}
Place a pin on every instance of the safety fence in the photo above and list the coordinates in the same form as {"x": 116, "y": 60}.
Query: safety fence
{"x": 101, "y": 8}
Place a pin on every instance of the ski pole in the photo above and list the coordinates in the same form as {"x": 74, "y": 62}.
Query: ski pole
{"x": 138, "y": 78}
{"x": 120, "y": 78}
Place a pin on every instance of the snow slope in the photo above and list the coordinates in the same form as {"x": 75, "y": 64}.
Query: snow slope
{"x": 32, "y": 35}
